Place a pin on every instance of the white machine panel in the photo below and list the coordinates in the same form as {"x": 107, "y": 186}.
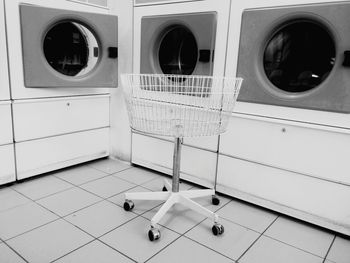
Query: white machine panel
{"x": 7, "y": 164}
{"x": 47, "y": 117}
{"x": 39, "y": 156}
{"x": 286, "y": 192}
{"x": 309, "y": 150}
{"x": 152, "y": 2}
{"x": 197, "y": 166}
{"x": 5, "y": 123}
{"x": 4, "y": 81}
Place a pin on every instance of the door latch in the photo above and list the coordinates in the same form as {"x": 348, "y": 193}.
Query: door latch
{"x": 204, "y": 55}
{"x": 346, "y": 61}
{"x": 113, "y": 52}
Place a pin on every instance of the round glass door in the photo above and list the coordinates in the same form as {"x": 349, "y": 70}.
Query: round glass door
{"x": 299, "y": 56}
{"x": 71, "y": 49}
{"x": 178, "y": 51}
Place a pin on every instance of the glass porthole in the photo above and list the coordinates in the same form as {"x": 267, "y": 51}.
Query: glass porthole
{"x": 71, "y": 48}
{"x": 178, "y": 51}
{"x": 299, "y": 56}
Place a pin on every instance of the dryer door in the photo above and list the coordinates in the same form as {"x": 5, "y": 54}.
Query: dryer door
{"x": 63, "y": 48}
{"x": 178, "y": 44}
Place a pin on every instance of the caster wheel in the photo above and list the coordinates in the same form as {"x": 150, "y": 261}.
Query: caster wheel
{"x": 218, "y": 229}
{"x": 153, "y": 234}
{"x": 215, "y": 200}
{"x": 164, "y": 189}
{"x": 128, "y": 205}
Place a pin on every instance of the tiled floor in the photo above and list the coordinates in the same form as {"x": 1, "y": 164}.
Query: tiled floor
{"x": 76, "y": 215}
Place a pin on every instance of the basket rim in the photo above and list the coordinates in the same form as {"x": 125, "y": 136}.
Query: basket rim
{"x": 182, "y": 76}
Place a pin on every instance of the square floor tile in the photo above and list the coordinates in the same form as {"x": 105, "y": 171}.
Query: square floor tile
{"x": 94, "y": 252}
{"x": 42, "y": 186}
{"x": 141, "y": 206}
{"x": 109, "y": 166}
{"x": 179, "y": 218}
{"x": 272, "y": 251}
{"x": 247, "y": 215}
{"x": 7, "y": 255}
{"x": 137, "y": 175}
{"x": 100, "y": 218}
{"x": 80, "y": 174}
{"x": 23, "y": 218}
{"x": 186, "y": 251}
{"x": 340, "y": 250}
{"x": 49, "y": 242}
{"x": 10, "y": 198}
{"x": 300, "y": 235}
{"x": 132, "y": 239}
{"x": 107, "y": 186}
{"x": 69, "y": 201}
{"x": 158, "y": 184}
{"x": 232, "y": 243}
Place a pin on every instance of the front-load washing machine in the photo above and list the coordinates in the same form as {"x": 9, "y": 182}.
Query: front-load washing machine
{"x": 295, "y": 62}
{"x": 60, "y": 45}
{"x": 181, "y": 38}
{"x": 186, "y": 38}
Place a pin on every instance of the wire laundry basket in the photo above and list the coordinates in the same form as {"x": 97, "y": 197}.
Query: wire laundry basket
{"x": 179, "y": 106}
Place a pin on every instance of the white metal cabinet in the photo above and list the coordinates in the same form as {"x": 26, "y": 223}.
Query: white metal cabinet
{"x": 197, "y": 165}
{"x": 7, "y": 164}
{"x": 5, "y": 123}
{"x": 44, "y": 155}
{"x": 208, "y": 142}
{"x": 40, "y": 118}
{"x": 317, "y": 201}
{"x": 309, "y": 149}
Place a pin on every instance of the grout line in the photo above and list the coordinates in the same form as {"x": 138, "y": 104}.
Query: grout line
{"x": 105, "y": 198}
{"x": 91, "y": 166}
{"x": 209, "y": 248}
{"x": 77, "y": 185}
{"x": 117, "y": 250}
{"x": 93, "y": 238}
{"x": 145, "y": 182}
{"x": 46, "y": 196}
{"x": 239, "y": 258}
{"x": 172, "y": 242}
{"x": 329, "y": 249}
{"x": 17, "y": 253}
{"x": 298, "y": 248}
{"x": 79, "y": 247}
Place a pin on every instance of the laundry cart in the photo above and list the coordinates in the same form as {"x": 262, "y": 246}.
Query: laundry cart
{"x": 178, "y": 106}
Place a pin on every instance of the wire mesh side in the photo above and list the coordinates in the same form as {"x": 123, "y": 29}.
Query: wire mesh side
{"x": 180, "y": 106}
